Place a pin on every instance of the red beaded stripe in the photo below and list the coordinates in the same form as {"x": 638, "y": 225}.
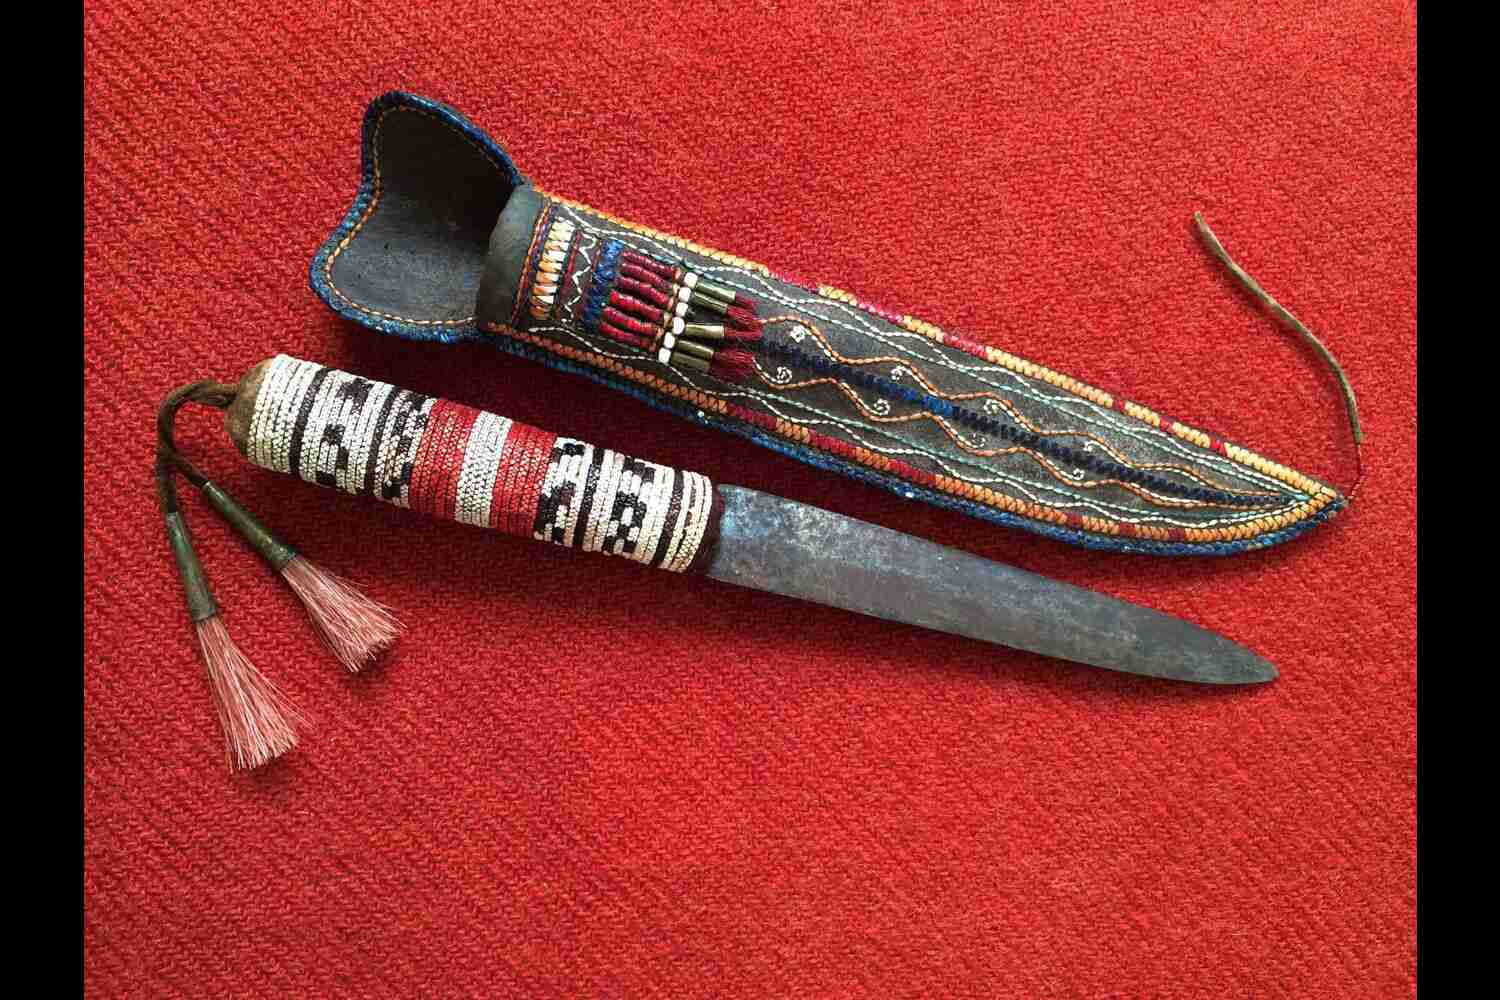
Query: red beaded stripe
{"x": 614, "y": 332}
{"x": 440, "y": 459}
{"x": 635, "y": 306}
{"x": 635, "y": 326}
{"x": 449, "y": 458}
{"x": 647, "y": 279}
{"x": 505, "y": 475}
{"x": 462, "y": 419}
{"x": 966, "y": 345}
{"x": 425, "y": 464}
{"x": 417, "y": 490}
{"x": 640, "y": 289}
{"x": 665, "y": 271}
{"x": 529, "y": 485}
{"x": 518, "y": 480}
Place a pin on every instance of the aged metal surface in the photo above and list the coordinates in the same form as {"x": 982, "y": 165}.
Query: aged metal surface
{"x": 272, "y": 549}
{"x": 200, "y": 600}
{"x": 790, "y": 548}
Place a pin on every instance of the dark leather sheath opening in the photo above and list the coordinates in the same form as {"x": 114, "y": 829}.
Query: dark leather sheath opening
{"x": 410, "y": 256}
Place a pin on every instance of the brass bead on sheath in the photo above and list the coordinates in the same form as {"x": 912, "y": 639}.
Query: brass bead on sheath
{"x": 708, "y": 303}
{"x": 716, "y": 291}
{"x": 702, "y": 331}
{"x": 691, "y": 349}
{"x": 697, "y": 364}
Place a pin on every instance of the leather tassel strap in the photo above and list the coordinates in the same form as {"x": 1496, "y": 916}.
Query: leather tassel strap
{"x": 371, "y": 438}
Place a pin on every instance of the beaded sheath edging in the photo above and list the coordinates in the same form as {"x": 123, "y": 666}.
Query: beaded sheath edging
{"x": 1249, "y": 513}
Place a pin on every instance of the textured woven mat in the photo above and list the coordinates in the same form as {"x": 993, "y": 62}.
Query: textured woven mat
{"x": 580, "y": 777}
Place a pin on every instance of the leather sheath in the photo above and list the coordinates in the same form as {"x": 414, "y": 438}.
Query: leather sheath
{"x": 447, "y": 240}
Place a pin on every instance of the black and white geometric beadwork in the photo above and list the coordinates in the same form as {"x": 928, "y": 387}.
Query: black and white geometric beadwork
{"x": 372, "y": 439}
{"x": 602, "y": 501}
{"x": 336, "y": 429}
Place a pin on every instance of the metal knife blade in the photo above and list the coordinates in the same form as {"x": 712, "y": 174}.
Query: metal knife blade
{"x": 773, "y": 544}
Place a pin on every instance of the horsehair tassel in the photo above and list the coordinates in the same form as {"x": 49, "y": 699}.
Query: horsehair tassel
{"x": 354, "y": 627}
{"x": 259, "y": 723}
{"x": 370, "y": 438}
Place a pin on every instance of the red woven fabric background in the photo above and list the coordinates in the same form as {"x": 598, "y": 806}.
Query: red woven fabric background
{"x": 579, "y": 777}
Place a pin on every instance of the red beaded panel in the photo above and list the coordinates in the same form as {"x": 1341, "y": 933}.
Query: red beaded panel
{"x": 440, "y": 459}
{"x": 518, "y": 481}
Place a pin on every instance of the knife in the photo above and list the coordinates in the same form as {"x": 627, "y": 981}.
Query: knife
{"x": 373, "y": 439}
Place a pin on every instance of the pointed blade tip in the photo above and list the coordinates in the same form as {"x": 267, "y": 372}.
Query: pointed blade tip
{"x": 1246, "y": 668}
{"x": 1268, "y": 673}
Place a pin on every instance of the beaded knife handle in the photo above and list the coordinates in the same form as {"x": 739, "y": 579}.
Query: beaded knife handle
{"x": 373, "y": 439}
